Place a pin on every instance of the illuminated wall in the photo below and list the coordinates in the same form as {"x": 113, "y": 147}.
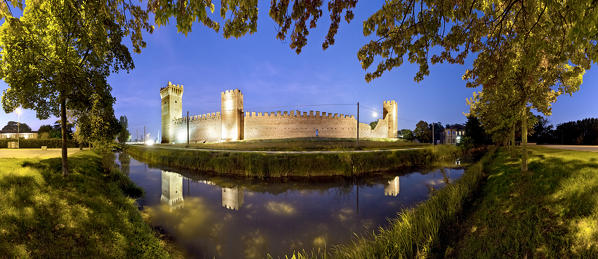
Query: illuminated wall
{"x": 172, "y": 108}
{"x": 232, "y": 123}
{"x": 172, "y": 189}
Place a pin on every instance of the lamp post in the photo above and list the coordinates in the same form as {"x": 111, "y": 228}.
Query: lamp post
{"x": 18, "y": 111}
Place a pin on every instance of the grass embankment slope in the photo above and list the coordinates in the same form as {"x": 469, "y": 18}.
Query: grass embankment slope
{"x": 550, "y": 212}
{"x": 306, "y": 144}
{"x": 86, "y": 214}
{"x": 264, "y": 164}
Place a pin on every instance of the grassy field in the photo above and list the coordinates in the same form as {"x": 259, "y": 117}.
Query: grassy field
{"x": 34, "y": 152}
{"x": 550, "y": 212}
{"x": 303, "y": 144}
{"x": 87, "y": 214}
{"x": 261, "y": 164}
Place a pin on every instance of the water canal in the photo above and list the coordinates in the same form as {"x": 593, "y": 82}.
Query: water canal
{"x": 220, "y": 217}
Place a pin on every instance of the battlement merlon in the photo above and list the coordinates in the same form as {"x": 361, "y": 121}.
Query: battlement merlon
{"x": 171, "y": 89}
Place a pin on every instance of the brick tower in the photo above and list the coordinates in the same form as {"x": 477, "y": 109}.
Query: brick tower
{"x": 172, "y": 108}
{"x": 390, "y": 110}
{"x": 232, "y": 115}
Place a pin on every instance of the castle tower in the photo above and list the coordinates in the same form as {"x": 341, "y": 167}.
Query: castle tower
{"x": 232, "y": 115}
{"x": 172, "y": 189}
{"x": 393, "y": 187}
{"x": 172, "y": 108}
{"x": 232, "y": 198}
{"x": 390, "y": 114}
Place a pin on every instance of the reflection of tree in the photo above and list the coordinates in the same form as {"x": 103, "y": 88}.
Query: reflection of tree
{"x": 172, "y": 189}
{"x": 392, "y": 188}
{"x": 445, "y": 177}
{"x": 125, "y": 162}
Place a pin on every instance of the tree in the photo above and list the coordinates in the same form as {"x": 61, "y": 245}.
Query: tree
{"x": 406, "y": 134}
{"x": 475, "y": 131}
{"x": 373, "y": 124}
{"x": 438, "y": 130}
{"x": 13, "y": 127}
{"x": 542, "y": 131}
{"x": 423, "y": 132}
{"x": 57, "y": 55}
{"x": 123, "y": 134}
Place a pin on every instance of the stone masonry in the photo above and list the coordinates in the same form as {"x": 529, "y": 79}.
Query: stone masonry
{"x": 233, "y": 123}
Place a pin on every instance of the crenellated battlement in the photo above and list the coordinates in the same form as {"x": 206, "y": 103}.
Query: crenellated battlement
{"x": 296, "y": 114}
{"x": 171, "y": 89}
{"x": 232, "y": 123}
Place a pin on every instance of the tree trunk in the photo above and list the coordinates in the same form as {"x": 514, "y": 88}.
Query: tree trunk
{"x": 524, "y": 140}
{"x": 65, "y": 165}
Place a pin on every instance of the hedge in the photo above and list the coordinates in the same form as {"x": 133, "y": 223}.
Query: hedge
{"x": 38, "y": 143}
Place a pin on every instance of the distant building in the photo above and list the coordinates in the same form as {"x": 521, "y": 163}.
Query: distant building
{"x": 453, "y": 134}
{"x": 13, "y": 135}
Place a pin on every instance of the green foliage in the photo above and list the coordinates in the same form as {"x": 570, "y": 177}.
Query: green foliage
{"x": 85, "y": 214}
{"x": 475, "y": 132}
{"x": 123, "y": 134}
{"x": 263, "y": 164}
{"x": 13, "y": 127}
{"x": 406, "y": 134}
{"x": 417, "y": 232}
{"x": 373, "y": 124}
{"x": 38, "y": 143}
{"x": 423, "y": 132}
{"x": 550, "y": 213}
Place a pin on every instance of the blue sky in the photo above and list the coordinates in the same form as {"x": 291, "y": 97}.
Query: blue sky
{"x": 271, "y": 75}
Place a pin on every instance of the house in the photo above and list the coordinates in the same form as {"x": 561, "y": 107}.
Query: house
{"x": 453, "y": 134}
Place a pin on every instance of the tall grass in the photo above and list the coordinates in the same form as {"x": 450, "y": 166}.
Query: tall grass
{"x": 261, "y": 164}
{"x": 416, "y": 232}
{"x": 83, "y": 215}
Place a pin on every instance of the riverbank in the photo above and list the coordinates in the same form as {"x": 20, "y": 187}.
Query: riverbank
{"x": 418, "y": 232}
{"x": 291, "y": 163}
{"x": 86, "y": 214}
{"x": 550, "y": 212}
{"x": 304, "y": 144}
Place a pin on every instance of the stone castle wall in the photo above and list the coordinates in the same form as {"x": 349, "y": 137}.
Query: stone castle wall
{"x": 240, "y": 125}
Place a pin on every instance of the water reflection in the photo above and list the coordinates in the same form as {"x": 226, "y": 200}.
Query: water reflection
{"x": 393, "y": 187}
{"x": 232, "y": 198}
{"x": 172, "y": 189}
{"x": 226, "y": 217}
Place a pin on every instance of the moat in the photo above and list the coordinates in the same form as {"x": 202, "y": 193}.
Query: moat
{"x": 226, "y": 217}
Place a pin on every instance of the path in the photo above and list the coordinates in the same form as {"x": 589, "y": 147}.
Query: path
{"x": 290, "y": 152}
{"x": 573, "y": 147}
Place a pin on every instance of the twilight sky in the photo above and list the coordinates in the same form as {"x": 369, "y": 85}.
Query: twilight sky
{"x": 272, "y": 78}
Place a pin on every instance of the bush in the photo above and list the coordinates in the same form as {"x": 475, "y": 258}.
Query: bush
{"x": 38, "y": 143}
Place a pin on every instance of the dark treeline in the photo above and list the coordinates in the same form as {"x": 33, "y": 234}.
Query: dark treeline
{"x": 581, "y": 132}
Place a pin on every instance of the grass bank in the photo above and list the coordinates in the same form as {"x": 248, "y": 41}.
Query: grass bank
{"x": 263, "y": 164}
{"x": 306, "y": 144}
{"x": 419, "y": 231}
{"x": 551, "y": 212}
{"x": 87, "y": 214}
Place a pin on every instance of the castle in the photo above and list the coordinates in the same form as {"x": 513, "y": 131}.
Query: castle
{"x": 233, "y": 123}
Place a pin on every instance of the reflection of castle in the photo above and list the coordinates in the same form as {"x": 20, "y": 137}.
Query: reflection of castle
{"x": 233, "y": 123}
{"x": 392, "y": 188}
{"x": 232, "y": 198}
{"x": 172, "y": 189}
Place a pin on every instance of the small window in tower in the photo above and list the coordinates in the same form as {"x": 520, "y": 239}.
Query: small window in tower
{"x": 174, "y": 101}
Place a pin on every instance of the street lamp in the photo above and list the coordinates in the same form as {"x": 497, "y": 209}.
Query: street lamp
{"x": 375, "y": 114}
{"x": 18, "y": 111}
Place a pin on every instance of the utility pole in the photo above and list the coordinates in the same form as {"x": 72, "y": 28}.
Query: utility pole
{"x": 357, "y": 124}
{"x": 433, "y": 142}
{"x": 187, "y": 128}
{"x": 144, "y": 134}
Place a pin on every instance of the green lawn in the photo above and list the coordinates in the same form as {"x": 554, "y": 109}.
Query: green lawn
{"x": 551, "y": 212}
{"x": 87, "y": 214}
{"x": 301, "y": 144}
